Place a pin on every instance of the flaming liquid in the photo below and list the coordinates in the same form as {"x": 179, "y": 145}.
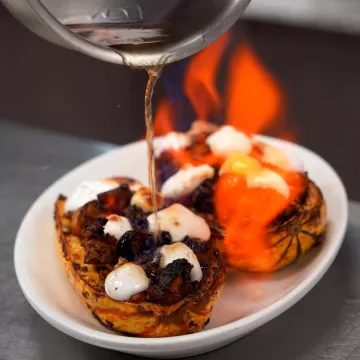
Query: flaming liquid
{"x": 253, "y": 103}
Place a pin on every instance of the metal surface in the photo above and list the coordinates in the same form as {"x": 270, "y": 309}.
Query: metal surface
{"x": 324, "y": 325}
{"x": 338, "y": 15}
{"x": 198, "y": 25}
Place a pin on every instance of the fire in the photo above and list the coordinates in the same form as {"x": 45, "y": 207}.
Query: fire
{"x": 246, "y": 211}
{"x": 163, "y": 118}
{"x": 200, "y": 79}
{"x": 253, "y": 103}
{"x": 254, "y": 100}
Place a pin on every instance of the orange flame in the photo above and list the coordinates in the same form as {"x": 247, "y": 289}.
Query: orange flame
{"x": 254, "y": 102}
{"x": 200, "y": 79}
{"x": 246, "y": 213}
{"x": 163, "y": 118}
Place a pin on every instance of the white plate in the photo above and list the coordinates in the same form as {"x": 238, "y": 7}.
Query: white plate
{"x": 247, "y": 302}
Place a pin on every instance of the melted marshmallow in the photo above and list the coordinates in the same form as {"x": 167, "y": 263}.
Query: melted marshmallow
{"x": 173, "y": 140}
{"x": 227, "y": 141}
{"x": 279, "y": 158}
{"x": 143, "y": 199}
{"x": 185, "y": 181}
{"x": 180, "y": 222}
{"x": 126, "y": 281}
{"x": 169, "y": 253}
{"x": 256, "y": 176}
{"x": 135, "y": 186}
{"x": 117, "y": 226}
{"x": 269, "y": 179}
{"x": 88, "y": 191}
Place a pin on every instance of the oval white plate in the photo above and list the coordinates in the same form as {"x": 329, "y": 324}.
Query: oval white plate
{"x": 247, "y": 302}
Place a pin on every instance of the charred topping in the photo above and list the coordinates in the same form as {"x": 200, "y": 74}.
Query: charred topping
{"x": 96, "y": 229}
{"x": 99, "y": 248}
{"x": 137, "y": 217}
{"x": 202, "y": 197}
{"x": 115, "y": 201}
{"x": 83, "y": 216}
{"x": 165, "y": 166}
{"x": 197, "y": 246}
{"x": 140, "y": 245}
{"x": 133, "y": 243}
{"x": 100, "y": 252}
{"x": 173, "y": 284}
{"x": 178, "y": 267}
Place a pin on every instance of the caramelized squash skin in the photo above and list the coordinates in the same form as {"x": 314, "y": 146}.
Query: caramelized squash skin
{"x": 289, "y": 239}
{"x": 143, "y": 319}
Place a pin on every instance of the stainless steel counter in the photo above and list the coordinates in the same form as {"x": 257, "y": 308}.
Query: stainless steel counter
{"x": 324, "y": 325}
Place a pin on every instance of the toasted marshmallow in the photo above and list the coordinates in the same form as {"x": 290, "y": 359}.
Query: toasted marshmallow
{"x": 135, "y": 186}
{"x": 143, "y": 199}
{"x": 256, "y": 176}
{"x": 172, "y": 141}
{"x": 268, "y": 179}
{"x": 227, "y": 141}
{"x": 279, "y": 158}
{"x": 240, "y": 164}
{"x": 88, "y": 191}
{"x": 185, "y": 181}
{"x": 169, "y": 253}
{"x": 126, "y": 281}
{"x": 180, "y": 222}
{"x": 117, "y": 226}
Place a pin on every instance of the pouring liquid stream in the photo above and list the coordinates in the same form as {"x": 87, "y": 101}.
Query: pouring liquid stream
{"x": 154, "y": 74}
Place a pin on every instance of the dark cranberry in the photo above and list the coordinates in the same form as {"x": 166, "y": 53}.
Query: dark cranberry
{"x": 130, "y": 244}
{"x": 140, "y": 224}
{"x": 165, "y": 238}
{"x": 149, "y": 242}
{"x": 166, "y": 167}
{"x": 133, "y": 212}
{"x": 202, "y": 197}
{"x": 133, "y": 243}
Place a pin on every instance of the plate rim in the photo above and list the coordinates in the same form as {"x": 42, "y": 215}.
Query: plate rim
{"x": 66, "y": 324}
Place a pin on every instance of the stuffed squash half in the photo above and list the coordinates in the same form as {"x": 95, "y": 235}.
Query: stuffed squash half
{"x": 130, "y": 280}
{"x": 263, "y": 210}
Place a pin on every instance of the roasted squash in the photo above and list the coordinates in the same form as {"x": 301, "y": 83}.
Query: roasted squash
{"x": 290, "y": 235}
{"x": 136, "y": 317}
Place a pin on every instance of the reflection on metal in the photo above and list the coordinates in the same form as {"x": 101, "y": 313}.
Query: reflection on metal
{"x": 193, "y": 25}
{"x": 338, "y": 15}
